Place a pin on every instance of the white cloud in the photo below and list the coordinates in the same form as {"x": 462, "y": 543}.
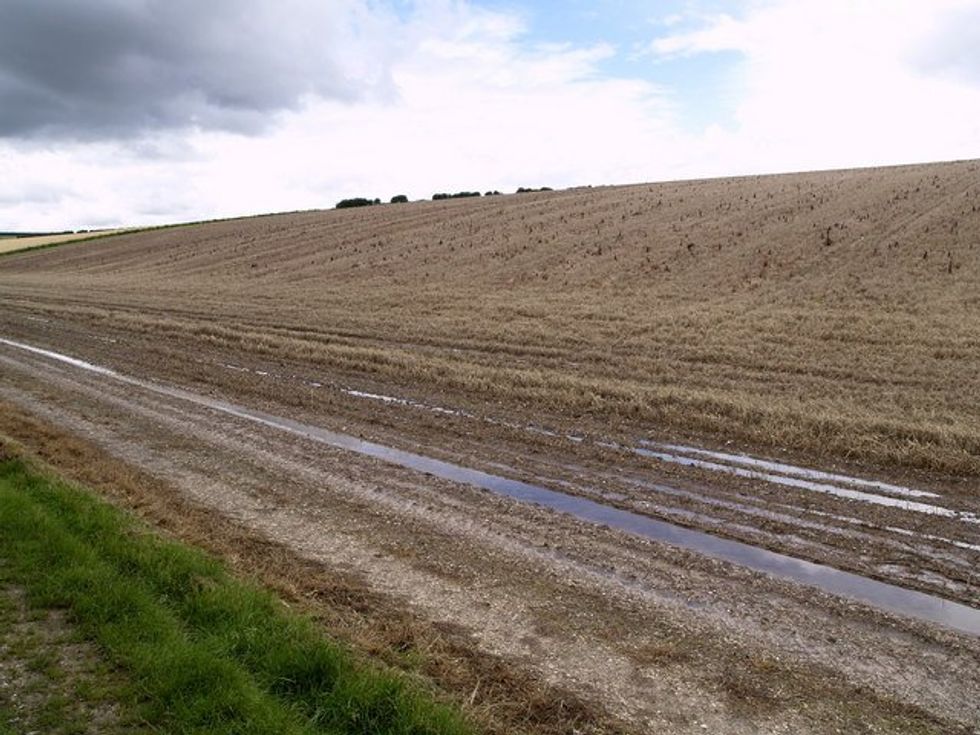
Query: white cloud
{"x": 471, "y": 106}
{"x": 471, "y": 103}
{"x": 829, "y": 83}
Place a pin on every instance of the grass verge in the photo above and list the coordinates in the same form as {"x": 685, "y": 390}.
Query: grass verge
{"x": 496, "y": 696}
{"x": 204, "y": 652}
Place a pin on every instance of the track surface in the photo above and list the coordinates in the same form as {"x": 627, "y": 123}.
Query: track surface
{"x": 663, "y": 638}
{"x": 784, "y": 365}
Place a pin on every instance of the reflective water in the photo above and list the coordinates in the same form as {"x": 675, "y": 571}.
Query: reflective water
{"x": 789, "y": 469}
{"x": 878, "y": 594}
{"x": 779, "y": 473}
{"x": 796, "y": 482}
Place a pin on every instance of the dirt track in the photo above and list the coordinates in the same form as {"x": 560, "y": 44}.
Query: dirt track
{"x": 662, "y": 639}
{"x": 621, "y": 345}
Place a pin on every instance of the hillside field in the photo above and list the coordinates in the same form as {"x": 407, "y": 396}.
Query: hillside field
{"x": 681, "y": 457}
{"x": 833, "y": 314}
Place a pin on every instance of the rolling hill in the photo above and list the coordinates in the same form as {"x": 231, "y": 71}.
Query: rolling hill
{"x": 831, "y": 314}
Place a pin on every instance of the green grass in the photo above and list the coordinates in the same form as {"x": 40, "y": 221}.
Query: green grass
{"x": 204, "y": 652}
{"x": 5, "y": 727}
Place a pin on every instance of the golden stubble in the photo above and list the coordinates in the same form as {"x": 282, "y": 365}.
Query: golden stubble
{"x": 832, "y": 314}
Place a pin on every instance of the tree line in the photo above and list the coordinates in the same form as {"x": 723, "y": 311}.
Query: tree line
{"x": 439, "y": 196}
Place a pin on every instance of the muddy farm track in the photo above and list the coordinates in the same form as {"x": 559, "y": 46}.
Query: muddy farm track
{"x": 698, "y": 456}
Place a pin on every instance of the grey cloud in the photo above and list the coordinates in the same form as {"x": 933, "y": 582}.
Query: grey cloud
{"x": 34, "y": 193}
{"x": 118, "y": 68}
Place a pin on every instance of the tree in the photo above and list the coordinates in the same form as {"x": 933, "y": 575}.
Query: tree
{"x": 458, "y": 195}
{"x": 356, "y": 202}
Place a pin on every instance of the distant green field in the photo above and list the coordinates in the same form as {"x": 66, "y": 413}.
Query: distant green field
{"x": 203, "y": 651}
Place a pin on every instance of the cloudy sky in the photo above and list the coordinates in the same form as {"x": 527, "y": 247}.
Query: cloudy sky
{"x": 125, "y": 112}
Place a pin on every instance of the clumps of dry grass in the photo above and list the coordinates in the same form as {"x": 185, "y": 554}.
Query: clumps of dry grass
{"x": 499, "y": 697}
{"x": 822, "y": 408}
{"x": 752, "y": 685}
{"x": 787, "y": 312}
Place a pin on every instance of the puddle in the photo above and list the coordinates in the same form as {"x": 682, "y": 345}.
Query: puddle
{"x": 779, "y": 473}
{"x": 376, "y": 397}
{"x": 940, "y": 539}
{"x": 891, "y": 529}
{"x": 795, "y": 482}
{"x": 881, "y": 595}
{"x": 74, "y": 362}
{"x": 789, "y": 520}
{"x": 405, "y": 402}
{"x": 792, "y": 470}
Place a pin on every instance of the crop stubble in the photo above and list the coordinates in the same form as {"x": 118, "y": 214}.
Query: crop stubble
{"x": 718, "y": 311}
{"x": 15, "y": 244}
{"x": 834, "y": 314}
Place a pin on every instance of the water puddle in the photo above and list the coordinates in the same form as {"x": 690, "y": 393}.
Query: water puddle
{"x": 769, "y": 471}
{"x": 881, "y": 595}
{"x": 377, "y": 397}
{"x": 896, "y": 530}
{"x": 740, "y": 465}
{"x": 789, "y": 469}
{"x": 350, "y": 391}
{"x": 74, "y": 362}
{"x": 907, "y": 544}
{"x": 796, "y": 482}
{"x": 940, "y": 539}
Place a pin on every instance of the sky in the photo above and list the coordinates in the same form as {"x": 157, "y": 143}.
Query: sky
{"x": 138, "y": 112}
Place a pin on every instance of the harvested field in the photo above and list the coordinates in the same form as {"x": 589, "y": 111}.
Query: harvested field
{"x": 787, "y": 362}
{"x": 831, "y": 314}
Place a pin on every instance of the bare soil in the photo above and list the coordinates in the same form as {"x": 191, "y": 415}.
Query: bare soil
{"x": 641, "y": 635}
{"x": 51, "y": 680}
